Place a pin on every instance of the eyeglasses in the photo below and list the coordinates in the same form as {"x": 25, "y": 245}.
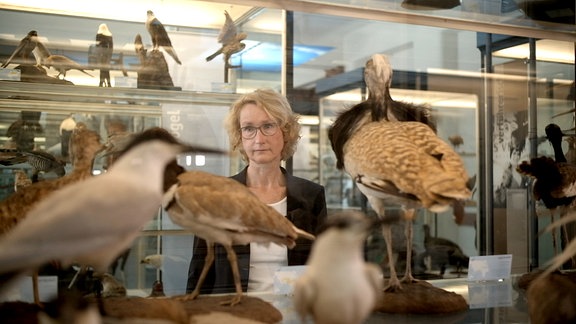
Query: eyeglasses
{"x": 268, "y": 129}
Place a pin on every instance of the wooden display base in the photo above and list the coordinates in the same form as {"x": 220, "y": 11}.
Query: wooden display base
{"x": 204, "y": 309}
{"x": 421, "y": 298}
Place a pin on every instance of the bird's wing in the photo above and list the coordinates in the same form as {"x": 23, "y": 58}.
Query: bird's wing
{"x": 228, "y": 31}
{"x": 41, "y": 52}
{"x": 227, "y": 204}
{"x": 82, "y": 218}
{"x": 158, "y": 33}
{"x": 25, "y": 44}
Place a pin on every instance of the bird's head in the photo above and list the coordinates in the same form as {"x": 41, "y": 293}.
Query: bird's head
{"x": 352, "y": 224}
{"x": 33, "y": 33}
{"x": 149, "y": 13}
{"x": 378, "y": 74}
{"x": 553, "y": 133}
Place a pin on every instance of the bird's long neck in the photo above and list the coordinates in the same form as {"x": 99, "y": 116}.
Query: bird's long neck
{"x": 558, "y": 152}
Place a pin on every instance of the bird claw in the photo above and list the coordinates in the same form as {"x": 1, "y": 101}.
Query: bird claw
{"x": 392, "y": 288}
{"x": 234, "y": 301}
{"x": 187, "y": 297}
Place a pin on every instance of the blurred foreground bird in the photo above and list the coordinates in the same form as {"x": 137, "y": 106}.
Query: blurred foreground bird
{"x": 104, "y": 49}
{"x": 159, "y": 36}
{"x": 399, "y": 162}
{"x": 338, "y": 286}
{"x": 195, "y": 203}
{"x": 62, "y": 64}
{"x": 93, "y": 221}
{"x": 231, "y": 41}
{"x": 25, "y": 50}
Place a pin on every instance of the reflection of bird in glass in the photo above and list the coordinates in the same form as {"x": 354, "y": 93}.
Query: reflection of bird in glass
{"x": 338, "y": 286}
{"x": 104, "y": 49}
{"x": 62, "y": 64}
{"x": 397, "y": 162}
{"x": 25, "y": 49}
{"x": 159, "y": 36}
{"x": 231, "y": 41}
{"x": 444, "y": 252}
{"x": 42, "y": 161}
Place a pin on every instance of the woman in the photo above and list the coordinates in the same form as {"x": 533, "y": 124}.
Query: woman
{"x": 263, "y": 128}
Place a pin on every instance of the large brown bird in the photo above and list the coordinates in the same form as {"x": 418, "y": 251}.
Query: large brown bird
{"x": 195, "y": 203}
{"x": 231, "y": 41}
{"x": 399, "y": 162}
{"x": 159, "y": 36}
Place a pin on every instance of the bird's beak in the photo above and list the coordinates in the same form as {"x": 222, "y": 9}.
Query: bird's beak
{"x": 143, "y": 261}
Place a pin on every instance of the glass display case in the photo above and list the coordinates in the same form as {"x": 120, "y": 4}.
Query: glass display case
{"x": 494, "y": 73}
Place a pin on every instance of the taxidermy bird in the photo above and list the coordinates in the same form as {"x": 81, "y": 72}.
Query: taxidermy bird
{"x": 93, "y": 221}
{"x": 25, "y": 49}
{"x": 399, "y": 162}
{"x": 42, "y": 161}
{"x": 62, "y": 64}
{"x": 84, "y": 145}
{"x": 338, "y": 286}
{"x": 552, "y": 179}
{"x": 231, "y": 41}
{"x": 444, "y": 252}
{"x": 159, "y": 36}
{"x": 66, "y": 128}
{"x": 140, "y": 49}
{"x": 21, "y": 179}
{"x": 195, "y": 203}
{"x": 23, "y": 130}
{"x": 104, "y": 49}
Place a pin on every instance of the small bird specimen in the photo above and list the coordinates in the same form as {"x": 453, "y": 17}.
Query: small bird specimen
{"x": 42, "y": 161}
{"x": 159, "y": 36}
{"x": 93, "y": 221}
{"x": 21, "y": 179}
{"x": 231, "y": 41}
{"x": 553, "y": 184}
{"x": 62, "y": 64}
{"x": 195, "y": 203}
{"x": 338, "y": 286}
{"x": 25, "y": 50}
{"x": 400, "y": 162}
{"x": 444, "y": 252}
{"x": 66, "y": 128}
{"x": 84, "y": 145}
{"x": 104, "y": 49}
{"x": 23, "y": 130}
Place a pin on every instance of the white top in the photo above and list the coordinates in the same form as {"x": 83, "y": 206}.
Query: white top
{"x": 266, "y": 260}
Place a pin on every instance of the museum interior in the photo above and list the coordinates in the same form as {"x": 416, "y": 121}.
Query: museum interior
{"x": 496, "y": 76}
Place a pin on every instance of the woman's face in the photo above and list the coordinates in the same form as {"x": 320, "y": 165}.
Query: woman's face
{"x": 261, "y": 149}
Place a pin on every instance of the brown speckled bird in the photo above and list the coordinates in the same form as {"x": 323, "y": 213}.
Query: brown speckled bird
{"x": 392, "y": 153}
{"x": 85, "y": 144}
{"x": 195, "y": 203}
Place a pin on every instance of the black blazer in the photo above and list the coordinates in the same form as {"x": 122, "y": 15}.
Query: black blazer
{"x": 306, "y": 208}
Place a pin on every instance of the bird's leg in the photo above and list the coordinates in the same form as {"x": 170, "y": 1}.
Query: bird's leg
{"x": 393, "y": 282}
{"x": 409, "y": 233}
{"x": 207, "y": 264}
{"x": 233, "y": 259}
{"x": 35, "y": 288}
{"x": 553, "y": 232}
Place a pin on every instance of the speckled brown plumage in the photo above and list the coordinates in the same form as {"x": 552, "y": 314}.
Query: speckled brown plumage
{"x": 409, "y": 157}
{"x": 85, "y": 144}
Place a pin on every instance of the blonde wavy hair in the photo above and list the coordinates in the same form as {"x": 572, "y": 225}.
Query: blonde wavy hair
{"x": 277, "y": 107}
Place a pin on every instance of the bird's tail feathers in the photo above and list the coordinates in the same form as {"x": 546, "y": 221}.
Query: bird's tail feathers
{"x": 172, "y": 52}
{"x": 304, "y": 234}
{"x": 213, "y": 56}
